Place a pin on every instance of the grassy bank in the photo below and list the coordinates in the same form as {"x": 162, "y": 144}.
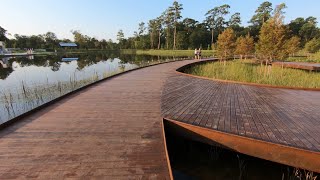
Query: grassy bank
{"x": 254, "y": 73}
{"x": 152, "y": 52}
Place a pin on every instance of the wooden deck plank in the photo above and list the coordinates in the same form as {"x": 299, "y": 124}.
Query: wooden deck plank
{"x": 110, "y": 130}
{"x": 299, "y": 65}
{"x": 264, "y": 113}
{"x": 113, "y": 129}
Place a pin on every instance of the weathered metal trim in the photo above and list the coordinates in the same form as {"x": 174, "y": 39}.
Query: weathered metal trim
{"x": 166, "y": 149}
{"x": 291, "y": 156}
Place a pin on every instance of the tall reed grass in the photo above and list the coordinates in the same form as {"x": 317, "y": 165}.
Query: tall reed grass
{"x": 256, "y": 73}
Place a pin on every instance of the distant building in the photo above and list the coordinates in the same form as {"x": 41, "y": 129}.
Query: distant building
{"x": 67, "y": 44}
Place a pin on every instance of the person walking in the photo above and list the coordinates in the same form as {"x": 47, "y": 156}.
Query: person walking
{"x": 199, "y": 53}
{"x": 196, "y": 53}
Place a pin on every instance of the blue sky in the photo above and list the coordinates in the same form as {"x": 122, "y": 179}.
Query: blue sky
{"x": 103, "y": 18}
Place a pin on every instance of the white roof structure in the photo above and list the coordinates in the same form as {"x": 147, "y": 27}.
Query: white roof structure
{"x": 64, "y": 44}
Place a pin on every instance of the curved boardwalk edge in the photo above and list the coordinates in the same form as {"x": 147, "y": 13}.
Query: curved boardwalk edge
{"x": 284, "y": 119}
{"x": 180, "y": 69}
{"x": 291, "y": 156}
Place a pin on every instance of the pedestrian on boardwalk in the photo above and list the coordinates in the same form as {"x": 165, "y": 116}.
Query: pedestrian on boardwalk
{"x": 196, "y": 53}
{"x": 199, "y": 53}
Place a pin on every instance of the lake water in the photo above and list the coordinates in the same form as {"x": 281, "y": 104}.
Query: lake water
{"x": 27, "y": 82}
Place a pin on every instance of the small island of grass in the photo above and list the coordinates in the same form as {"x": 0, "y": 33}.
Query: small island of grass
{"x": 250, "y": 72}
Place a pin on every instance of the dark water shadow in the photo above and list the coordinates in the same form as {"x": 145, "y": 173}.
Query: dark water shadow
{"x": 195, "y": 157}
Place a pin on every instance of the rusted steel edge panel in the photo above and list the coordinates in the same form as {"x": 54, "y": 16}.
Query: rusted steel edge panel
{"x": 166, "y": 150}
{"x": 178, "y": 71}
{"x": 295, "y": 157}
{"x": 15, "y": 119}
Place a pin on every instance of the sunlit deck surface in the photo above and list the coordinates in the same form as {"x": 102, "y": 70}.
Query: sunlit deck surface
{"x": 280, "y": 117}
{"x": 112, "y": 130}
{"x": 299, "y": 65}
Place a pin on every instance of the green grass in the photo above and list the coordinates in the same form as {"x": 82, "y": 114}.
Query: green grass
{"x": 255, "y": 73}
{"x": 176, "y": 53}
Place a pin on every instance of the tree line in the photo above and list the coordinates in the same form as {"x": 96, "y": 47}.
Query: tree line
{"x": 49, "y": 41}
{"x": 266, "y": 29}
{"x": 171, "y": 31}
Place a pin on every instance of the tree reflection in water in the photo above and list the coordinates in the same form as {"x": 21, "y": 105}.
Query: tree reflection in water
{"x": 27, "y": 82}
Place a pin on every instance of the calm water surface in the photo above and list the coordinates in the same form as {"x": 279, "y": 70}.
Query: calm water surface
{"x": 27, "y": 82}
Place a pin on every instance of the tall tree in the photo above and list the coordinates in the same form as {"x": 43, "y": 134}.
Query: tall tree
{"x": 159, "y": 23}
{"x": 272, "y": 37}
{"x": 51, "y": 40}
{"x": 189, "y": 25}
{"x": 168, "y": 20}
{"x": 309, "y": 30}
{"x": 244, "y": 46}
{"x": 292, "y": 45}
{"x": 226, "y": 44}
{"x": 152, "y": 27}
{"x": 235, "y": 20}
{"x": 3, "y": 34}
{"x": 79, "y": 38}
{"x": 120, "y": 37}
{"x": 262, "y": 14}
{"x": 176, "y": 12}
{"x": 216, "y": 20}
{"x": 141, "y": 29}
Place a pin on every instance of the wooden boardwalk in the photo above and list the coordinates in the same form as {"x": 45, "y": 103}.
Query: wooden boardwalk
{"x": 112, "y": 130}
{"x": 278, "y": 116}
{"x": 299, "y": 65}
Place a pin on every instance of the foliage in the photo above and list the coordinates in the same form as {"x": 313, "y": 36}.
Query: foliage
{"x": 153, "y": 32}
{"x": 3, "y": 34}
{"x": 235, "y": 20}
{"x": 313, "y": 46}
{"x": 272, "y": 38}
{"x": 244, "y": 46}
{"x": 305, "y": 29}
{"x": 226, "y": 44}
{"x": 215, "y": 19}
{"x": 292, "y": 45}
{"x": 271, "y": 41}
{"x": 263, "y": 13}
{"x": 170, "y": 31}
{"x": 176, "y": 9}
{"x": 120, "y": 37}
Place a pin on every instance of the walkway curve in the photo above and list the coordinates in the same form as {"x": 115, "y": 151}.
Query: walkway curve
{"x": 285, "y": 118}
{"x": 111, "y": 130}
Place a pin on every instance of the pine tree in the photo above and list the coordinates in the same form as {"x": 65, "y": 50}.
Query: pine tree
{"x": 215, "y": 19}
{"x": 176, "y": 12}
